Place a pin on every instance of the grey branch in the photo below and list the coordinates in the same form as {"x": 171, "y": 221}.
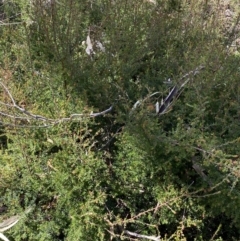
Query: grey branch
{"x": 200, "y": 171}
{"x": 139, "y": 102}
{"x": 154, "y": 238}
{"x": 173, "y": 93}
{"x": 10, "y": 222}
{"x": 7, "y": 24}
{"x": 16, "y": 114}
{"x": 167, "y": 101}
{"x": 3, "y": 237}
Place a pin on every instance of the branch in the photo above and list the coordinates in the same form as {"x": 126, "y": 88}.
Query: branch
{"x": 10, "y": 222}
{"x": 3, "y": 237}
{"x": 167, "y": 101}
{"x": 154, "y": 238}
{"x": 200, "y": 171}
{"x": 173, "y": 93}
{"x": 17, "y": 114}
{"x": 7, "y": 24}
{"x": 176, "y": 90}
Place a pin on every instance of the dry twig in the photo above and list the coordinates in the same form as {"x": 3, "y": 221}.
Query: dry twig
{"x": 18, "y": 115}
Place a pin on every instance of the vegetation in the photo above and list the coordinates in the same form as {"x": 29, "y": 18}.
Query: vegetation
{"x": 81, "y": 142}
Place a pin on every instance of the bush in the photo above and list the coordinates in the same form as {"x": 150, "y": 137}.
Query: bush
{"x": 130, "y": 173}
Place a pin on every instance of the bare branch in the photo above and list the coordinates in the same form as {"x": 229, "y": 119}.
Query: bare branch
{"x": 173, "y": 93}
{"x": 154, "y": 238}
{"x": 10, "y": 222}
{"x": 3, "y": 237}
{"x": 19, "y": 117}
{"x": 200, "y": 171}
{"x": 167, "y": 101}
{"x": 176, "y": 90}
{"x": 7, "y": 24}
{"x": 8, "y": 92}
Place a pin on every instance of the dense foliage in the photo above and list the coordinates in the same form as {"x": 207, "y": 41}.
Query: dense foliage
{"x": 130, "y": 174}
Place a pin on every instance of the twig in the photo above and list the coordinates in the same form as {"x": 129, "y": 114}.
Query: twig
{"x": 216, "y": 232}
{"x": 173, "y": 93}
{"x": 10, "y": 222}
{"x": 200, "y": 171}
{"x": 7, "y": 24}
{"x": 21, "y": 114}
{"x": 139, "y": 102}
{"x": 3, "y": 237}
{"x": 154, "y": 238}
{"x": 176, "y": 90}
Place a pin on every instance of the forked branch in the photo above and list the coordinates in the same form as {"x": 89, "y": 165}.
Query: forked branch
{"x": 174, "y": 92}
